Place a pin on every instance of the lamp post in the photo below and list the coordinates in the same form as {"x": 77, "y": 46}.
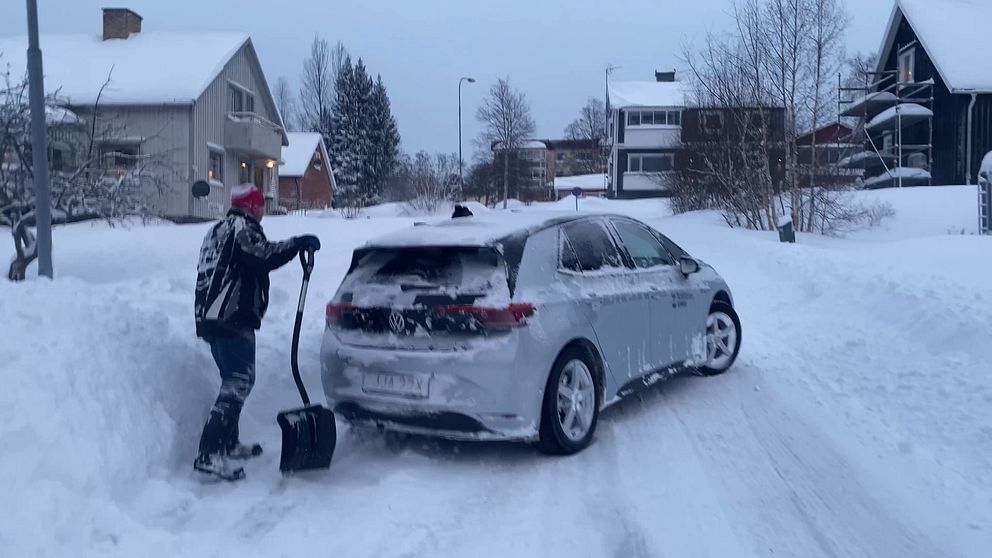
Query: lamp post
{"x": 39, "y": 145}
{"x": 461, "y": 181}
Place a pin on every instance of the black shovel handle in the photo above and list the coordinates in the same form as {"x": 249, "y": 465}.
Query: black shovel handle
{"x": 306, "y": 259}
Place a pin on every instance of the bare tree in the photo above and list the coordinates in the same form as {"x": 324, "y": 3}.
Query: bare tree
{"x": 88, "y": 181}
{"x": 317, "y": 88}
{"x": 827, "y": 32}
{"x": 433, "y": 181}
{"x": 507, "y": 124}
{"x": 591, "y": 123}
{"x": 286, "y": 103}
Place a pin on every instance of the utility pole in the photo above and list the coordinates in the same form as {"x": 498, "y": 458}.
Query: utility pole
{"x": 39, "y": 145}
{"x": 461, "y": 181}
{"x": 609, "y": 137}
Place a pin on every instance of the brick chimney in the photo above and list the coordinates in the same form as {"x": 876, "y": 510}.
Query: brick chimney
{"x": 664, "y": 76}
{"x": 120, "y": 23}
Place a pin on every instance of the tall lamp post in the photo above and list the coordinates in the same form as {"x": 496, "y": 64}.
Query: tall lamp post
{"x": 39, "y": 146}
{"x": 461, "y": 181}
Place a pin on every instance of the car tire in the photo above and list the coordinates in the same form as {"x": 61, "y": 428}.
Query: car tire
{"x": 568, "y": 423}
{"x": 722, "y": 322}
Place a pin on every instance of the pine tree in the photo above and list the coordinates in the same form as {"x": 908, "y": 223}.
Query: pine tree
{"x": 385, "y": 139}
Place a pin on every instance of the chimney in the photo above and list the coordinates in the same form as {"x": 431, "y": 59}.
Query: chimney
{"x": 664, "y": 76}
{"x": 120, "y": 23}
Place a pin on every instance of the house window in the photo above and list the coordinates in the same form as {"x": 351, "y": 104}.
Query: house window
{"x": 216, "y": 170}
{"x": 654, "y": 118}
{"x": 120, "y": 157}
{"x": 239, "y": 100}
{"x": 653, "y": 162}
{"x": 711, "y": 121}
{"x": 317, "y": 164}
{"x": 907, "y": 66}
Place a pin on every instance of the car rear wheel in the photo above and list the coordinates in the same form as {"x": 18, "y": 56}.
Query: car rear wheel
{"x": 723, "y": 339}
{"x": 571, "y": 403}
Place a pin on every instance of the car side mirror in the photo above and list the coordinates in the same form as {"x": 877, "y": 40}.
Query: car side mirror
{"x": 688, "y": 266}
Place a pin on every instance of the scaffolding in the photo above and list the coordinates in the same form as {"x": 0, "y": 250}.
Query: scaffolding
{"x": 891, "y": 114}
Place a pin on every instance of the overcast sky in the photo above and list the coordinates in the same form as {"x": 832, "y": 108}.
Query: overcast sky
{"x": 554, "y": 50}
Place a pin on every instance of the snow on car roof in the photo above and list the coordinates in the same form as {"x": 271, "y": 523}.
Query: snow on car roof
{"x": 625, "y": 94}
{"x": 147, "y": 68}
{"x": 478, "y": 230}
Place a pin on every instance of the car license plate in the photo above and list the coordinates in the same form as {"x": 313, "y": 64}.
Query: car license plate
{"x": 406, "y": 385}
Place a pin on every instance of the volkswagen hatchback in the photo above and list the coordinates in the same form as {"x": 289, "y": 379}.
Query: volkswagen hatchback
{"x": 519, "y": 326}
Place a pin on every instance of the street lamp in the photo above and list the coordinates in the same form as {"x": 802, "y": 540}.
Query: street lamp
{"x": 461, "y": 181}
{"x": 39, "y": 144}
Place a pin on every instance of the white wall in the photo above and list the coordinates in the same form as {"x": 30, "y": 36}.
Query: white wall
{"x": 646, "y": 182}
{"x": 652, "y": 136}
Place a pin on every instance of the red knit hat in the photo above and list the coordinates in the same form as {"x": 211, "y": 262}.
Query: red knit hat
{"x": 247, "y": 196}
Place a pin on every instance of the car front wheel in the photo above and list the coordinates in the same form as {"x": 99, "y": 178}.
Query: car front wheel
{"x": 723, "y": 339}
{"x": 571, "y": 403}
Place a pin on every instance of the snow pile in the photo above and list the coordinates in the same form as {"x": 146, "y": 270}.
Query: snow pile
{"x": 627, "y": 94}
{"x": 910, "y": 175}
{"x": 855, "y": 422}
{"x": 908, "y": 113}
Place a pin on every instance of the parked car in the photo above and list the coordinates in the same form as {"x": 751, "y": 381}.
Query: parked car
{"x": 519, "y": 326}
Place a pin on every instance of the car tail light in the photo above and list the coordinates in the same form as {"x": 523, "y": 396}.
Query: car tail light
{"x": 335, "y": 310}
{"x": 514, "y": 315}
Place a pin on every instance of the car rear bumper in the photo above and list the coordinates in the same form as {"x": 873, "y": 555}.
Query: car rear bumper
{"x": 482, "y": 393}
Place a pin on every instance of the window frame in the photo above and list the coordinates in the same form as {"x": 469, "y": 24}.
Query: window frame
{"x": 672, "y": 118}
{"x": 641, "y": 156}
{"x": 907, "y": 65}
{"x": 105, "y": 151}
{"x": 211, "y": 154}
{"x": 564, "y": 240}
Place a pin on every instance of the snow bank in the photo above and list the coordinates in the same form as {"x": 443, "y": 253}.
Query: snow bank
{"x": 856, "y": 420}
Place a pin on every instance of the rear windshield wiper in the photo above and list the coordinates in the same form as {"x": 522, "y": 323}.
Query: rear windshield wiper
{"x": 419, "y": 287}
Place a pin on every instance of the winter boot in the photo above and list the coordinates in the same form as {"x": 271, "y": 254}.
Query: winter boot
{"x": 218, "y": 466}
{"x": 244, "y": 451}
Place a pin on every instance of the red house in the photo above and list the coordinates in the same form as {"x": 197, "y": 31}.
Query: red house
{"x": 305, "y": 177}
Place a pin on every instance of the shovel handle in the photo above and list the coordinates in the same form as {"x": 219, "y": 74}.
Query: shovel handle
{"x": 306, "y": 259}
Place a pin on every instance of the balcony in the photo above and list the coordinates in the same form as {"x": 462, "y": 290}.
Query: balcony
{"x": 249, "y": 133}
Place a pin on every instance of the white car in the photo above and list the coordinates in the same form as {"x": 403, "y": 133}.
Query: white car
{"x": 519, "y": 326}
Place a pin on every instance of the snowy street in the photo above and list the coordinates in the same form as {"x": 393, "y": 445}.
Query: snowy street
{"x": 856, "y": 422}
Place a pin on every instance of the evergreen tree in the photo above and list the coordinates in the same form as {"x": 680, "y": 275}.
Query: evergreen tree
{"x": 349, "y": 134}
{"x": 385, "y": 139}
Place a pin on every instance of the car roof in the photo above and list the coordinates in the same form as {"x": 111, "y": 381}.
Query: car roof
{"x": 479, "y": 230}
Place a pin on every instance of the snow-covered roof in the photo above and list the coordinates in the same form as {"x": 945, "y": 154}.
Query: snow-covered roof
{"x": 297, "y": 155}
{"x": 955, "y": 33}
{"x": 479, "y": 230}
{"x": 625, "y": 94}
{"x": 588, "y": 182}
{"x": 147, "y": 68}
{"x": 910, "y": 113}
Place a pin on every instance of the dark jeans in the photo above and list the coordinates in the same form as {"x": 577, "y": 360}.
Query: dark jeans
{"x": 235, "y": 357}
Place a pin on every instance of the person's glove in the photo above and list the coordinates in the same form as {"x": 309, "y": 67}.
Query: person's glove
{"x": 308, "y": 242}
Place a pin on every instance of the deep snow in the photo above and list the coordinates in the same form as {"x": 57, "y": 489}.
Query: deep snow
{"x": 857, "y": 422}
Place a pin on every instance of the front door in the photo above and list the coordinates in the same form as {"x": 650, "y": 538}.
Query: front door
{"x": 595, "y": 272}
{"x": 666, "y": 293}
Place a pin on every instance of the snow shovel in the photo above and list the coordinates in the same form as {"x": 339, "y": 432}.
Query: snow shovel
{"x": 308, "y": 434}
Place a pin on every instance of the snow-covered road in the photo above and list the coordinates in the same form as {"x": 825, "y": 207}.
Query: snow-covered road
{"x": 857, "y": 422}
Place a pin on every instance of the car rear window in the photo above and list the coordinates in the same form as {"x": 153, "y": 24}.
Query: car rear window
{"x": 429, "y": 268}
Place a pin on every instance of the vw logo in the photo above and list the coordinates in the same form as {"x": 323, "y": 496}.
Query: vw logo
{"x": 397, "y": 322}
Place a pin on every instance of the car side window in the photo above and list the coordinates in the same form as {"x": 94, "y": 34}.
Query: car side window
{"x": 674, "y": 249}
{"x": 591, "y": 246}
{"x": 646, "y": 250}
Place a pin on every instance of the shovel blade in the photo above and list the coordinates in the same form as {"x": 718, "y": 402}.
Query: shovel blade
{"x": 308, "y": 438}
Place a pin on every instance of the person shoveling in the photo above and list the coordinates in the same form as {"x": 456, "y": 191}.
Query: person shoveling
{"x": 232, "y": 293}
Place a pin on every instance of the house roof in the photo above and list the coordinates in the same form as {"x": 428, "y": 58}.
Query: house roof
{"x": 625, "y": 94}
{"x": 955, "y": 35}
{"x": 297, "y": 155}
{"x": 147, "y": 68}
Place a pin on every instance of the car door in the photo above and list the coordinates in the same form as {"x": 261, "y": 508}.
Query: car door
{"x": 657, "y": 274}
{"x": 592, "y": 267}
{"x": 693, "y": 292}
